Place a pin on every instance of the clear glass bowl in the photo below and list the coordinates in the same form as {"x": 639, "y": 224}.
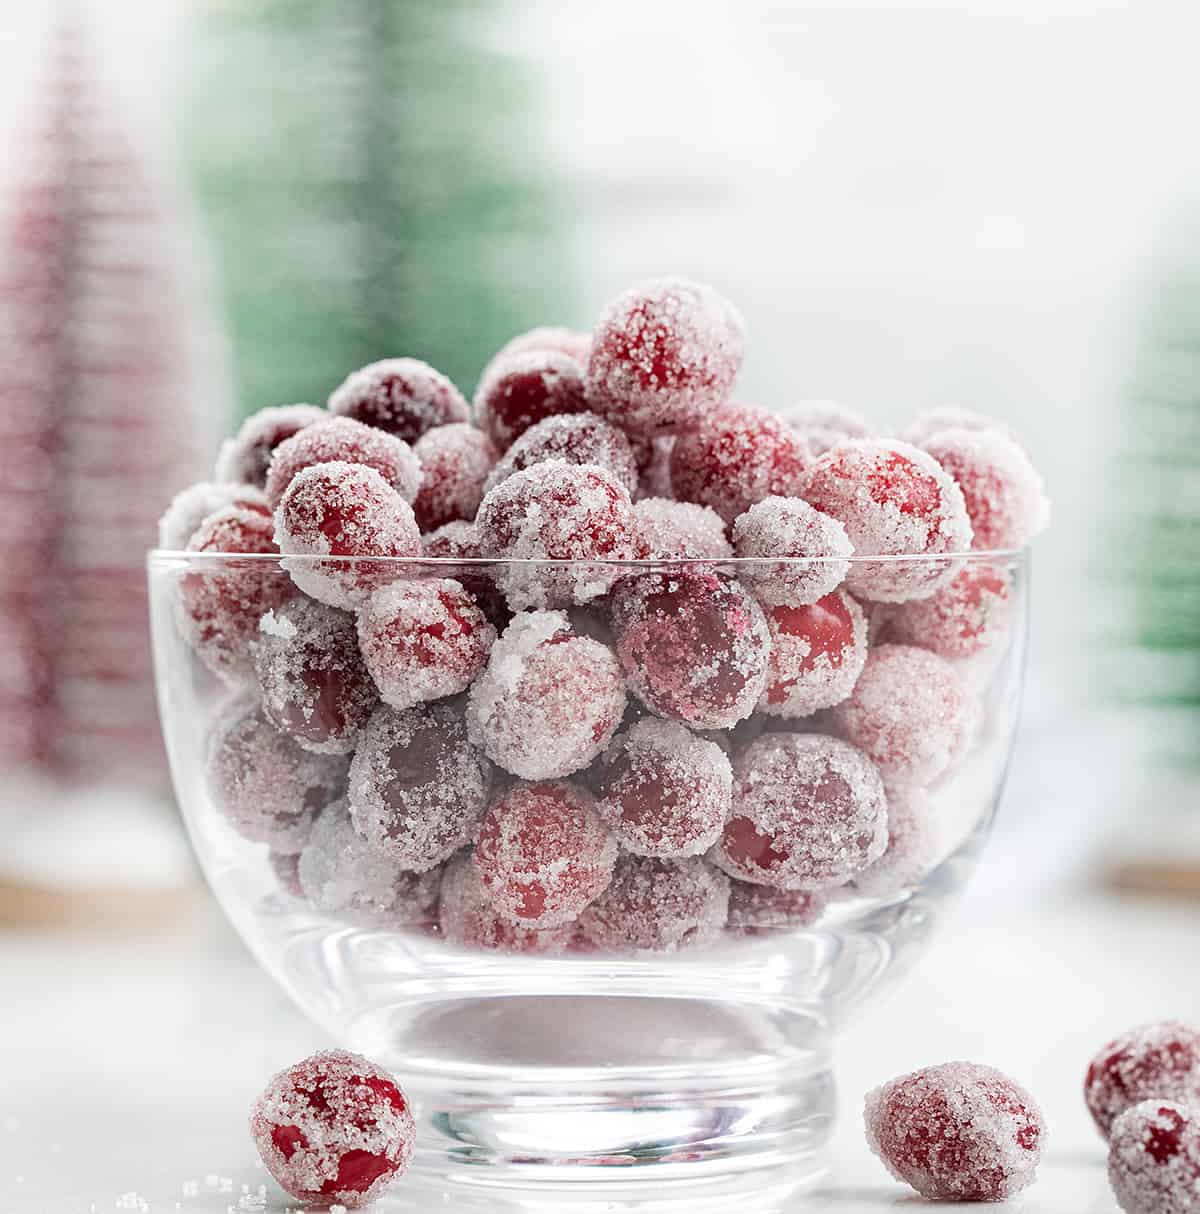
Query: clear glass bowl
{"x": 701, "y": 1063}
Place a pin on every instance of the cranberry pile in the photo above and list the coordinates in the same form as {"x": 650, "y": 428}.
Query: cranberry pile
{"x": 534, "y": 733}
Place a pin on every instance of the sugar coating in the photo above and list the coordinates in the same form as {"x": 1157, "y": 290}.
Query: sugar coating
{"x": 824, "y": 423}
{"x": 968, "y": 615}
{"x": 549, "y": 701}
{"x": 460, "y": 541}
{"x": 455, "y": 462}
{"x": 543, "y": 854}
{"x": 334, "y": 1127}
{"x": 778, "y": 529}
{"x": 402, "y": 396}
{"x": 1004, "y": 495}
{"x": 468, "y": 918}
{"x": 218, "y": 608}
{"x": 909, "y": 712}
{"x": 894, "y": 500}
{"x": 556, "y": 511}
{"x": 673, "y": 530}
{"x": 244, "y": 459}
{"x": 418, "y": 788}
{"x": 658, "y": 905}
{"x": 957, "y": 1132}
{"x": 575, "y": 438}
{"x": 1159, "y": 1061}
{"x": 933, "y": 421}
{"x": 809, "y": 812}
{"x": 663, "y": 354}
{"x": 524, "y": 388}
{"x": 341, "y": 438}
{"x": 423, "y": 639}
{"x": 191, "y": 506}
{"x": 736, "y": 456}
{"x": 760, "y": 910}
{"x": 817, "y": 655}
{"x": 1154, "y": 1159}
{"x": 911, "y": 850}
{"x": 662, "y": 790}
{"x": 265, "y": 785}
{"x": 571, "y": 342}
{"x": 694, "y": 646}
{"x": 342, "y": 874}
{"x": 340, "y": 509}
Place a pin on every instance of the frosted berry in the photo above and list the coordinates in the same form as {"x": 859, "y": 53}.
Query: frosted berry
{"x": 966, "y": 616}
{"x": 311, "y": 675}
{"x": 656, "y": 904}
{"x": 418, "y": 788}
{"x": 267, "y": 787}
{"x": 468, "y": 918}
{"x": 402, "y": 396}
{"x": 778, "y": 530}
{"x": 893, "y": 500}
{"x": 579, "y": 438}
{"x": 909, "y": 712}
{"x": 459, "y": 541}
{"x": 1151, "y": 1062}
{"x": 809, "y": 812}
{"x": 694, "y": 646}
{"x": 672, "y": 530}
{"x": 334, "y": 1128}
{"x": 931, "y": 422}
{"x": 1154, "y": 1159}
{"x": 339, "y": 438}
{"x": 191, "y": 506}
{"x": 817, "y": 655}
{"x": 736, "y": 456}
{"x": 342, "y": 874}
{"x": 571, "y": 342}
{"x": 664, "y": 354}
{"x": 1002, "y": 489}
{"x": 542, "y": 853}
{"x": 423, "y": 639}
{"x": 760, "y": 910}
{"x": 824, "y": 423}
{"x": 523, "y": 389}
{"x": 549, "y": 701}
{"x": 245, "y": 458}
{"x": 455, "y": 463}
{"x": 957, "y": 1132}
{"x": 341, "y": 509}
{"x": 557, "y": 512}
{"x": 219, "y": 605}
{"x": 911, "y": 850}
{"x": 662, "y": 790}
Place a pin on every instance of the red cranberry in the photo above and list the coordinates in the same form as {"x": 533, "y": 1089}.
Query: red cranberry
{"x": 245, "y": 458}
{"x": 578, "y": 438}
{"x": 455, "y": 463}
{"x": 1154, "y": 1158}
{"x": 190, "y": 507}
{"x": 402, "y": 396}
{"x": 824, "y": 423}
{"x": 1152, "y": 1062}
{"x": 681, "y": 530}
{"x": 799, "y": 553}
{"x": 966, "y": 616}
{"x": 523, "y": 389}
{"x": 761, "y": 910}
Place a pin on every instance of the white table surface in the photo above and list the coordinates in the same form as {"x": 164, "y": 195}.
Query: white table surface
{"x": 127, "y": 1063}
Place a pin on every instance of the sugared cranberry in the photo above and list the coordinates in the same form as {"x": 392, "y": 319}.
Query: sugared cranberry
{"x": 911, "y": 847}
{"x": 1154, "y": 1159}
{"x": 418, "y": 788}
{"x": 893, "y": 500}
{"x": 576, "y": 438}
{"x": 571, "y": 342}
{"x": 662, "y": 790}
{"x": 817, "y": 654}
{"x": 957, "y": 1132}
{"x": 694, "y": 645}
{"x": 557, "y": 512}
{"x": 736, "y": 456}
{"x": 656, "y": 904}
{"x": 966, "y": 616}
{"x": 681, "y": 530}
{"x": 350, "y": 442}
{"x": 334, "y": 1128}
{"x": 542, "y": 853}
{"x": 423, "y": 639}
{"x": 1152, "y": 1062}
{"x": 933, "y": 421}
{"x": 664, "y": 354}
{"x": 809, "y": 812}
{"x": 799, "y": 553}
{"x": 245, "y": 458}
{"x": 459, "y": 541}
{"x": 191, "y": 506}
{"x": 525, "y": 388}
{"x": 340, "y": 510}
{"x": 549, "y": 701}
{"x": 824, "y": 423}
{"x": 760, "y": 910}
{"x": 455, "y": 463}
{"x": 314, "y": 684}
{"x": 402, "y": 396}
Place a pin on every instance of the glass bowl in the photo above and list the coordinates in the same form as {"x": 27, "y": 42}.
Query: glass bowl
{"x": 680, "y": 1028}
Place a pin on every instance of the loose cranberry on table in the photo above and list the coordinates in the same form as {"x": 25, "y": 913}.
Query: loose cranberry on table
{"x": 455, "y": 463}
{"x": 574, "y": 438}
{"x": 402, "y": 396}
{"x": 522, "y": 389}
{"x": 245, "y": 458}
{"x": 1154, "y": 1159}
{"x": 1159, "y": 1061}
{"x": 957, "y": 1132}
{"x": 334, "y": 1128}
{"x": 778, "y": 529}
